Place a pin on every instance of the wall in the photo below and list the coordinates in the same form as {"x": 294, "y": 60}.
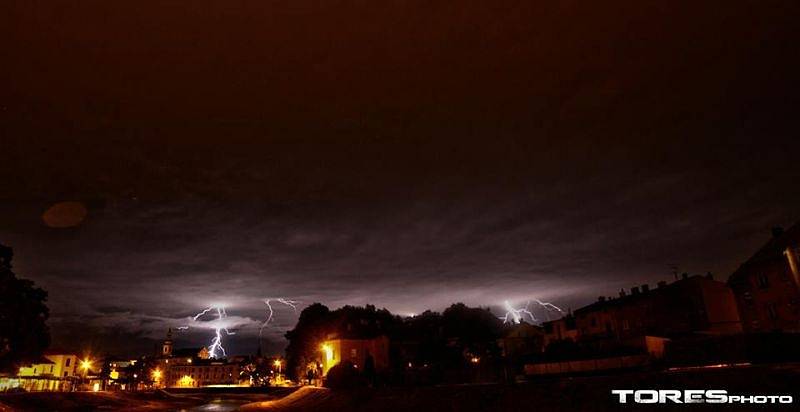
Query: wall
{"x": 588, "y": 365}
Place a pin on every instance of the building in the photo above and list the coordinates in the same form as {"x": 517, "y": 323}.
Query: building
{"x": 191, "y": 367}
{"x": 691, "y": 305}
{"x": 357, "y": 351}
{"x": 202, "y": 372}
{"x": 168, "y": 351}
{"x": 52, "y": 372}
{"x": 560, "y": 329}
{"x": 632, "y": 330}
{"x": 166, "y": 346}
{"x": 117, "y": 372}
{"x": 766, "y": 286}
{"x": 168, "y": 356}
{"x": 522, "y": 340}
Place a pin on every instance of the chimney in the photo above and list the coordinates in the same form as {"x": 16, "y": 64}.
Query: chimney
{"x": 645, "y": 288}
{"x": 661, "y": 284}
{"x": 622, "y": 293}
{"x": 635, "y": 290}
{"x": 777, "y": 231}
{"x": 709, "y": 276}
{"x": 684, "y": 276}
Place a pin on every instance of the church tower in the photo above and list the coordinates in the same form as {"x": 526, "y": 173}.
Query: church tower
{"x": 166, "y": 347}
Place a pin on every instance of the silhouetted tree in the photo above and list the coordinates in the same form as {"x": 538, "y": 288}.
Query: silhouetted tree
{"x": 474, "y": 330}
{"x": 469, "y": 333}
{"x": 304, "y": 339}
{"x": 23, "y": 332}
{"x": 426, "y": 331}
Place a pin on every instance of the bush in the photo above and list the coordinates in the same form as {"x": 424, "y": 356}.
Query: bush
{"x": 344, "y": 375}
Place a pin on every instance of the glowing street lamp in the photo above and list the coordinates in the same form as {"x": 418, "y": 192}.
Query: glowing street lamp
{"x": 328, "y": 350}
{"x": 86, "y": 364}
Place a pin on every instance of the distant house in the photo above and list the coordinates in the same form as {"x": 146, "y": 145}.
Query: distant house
{"x": 522, "y": 340}
{"x": 168, "y": 351}
{"x": 169, "y": 356}
{"x": 192, "y": 367}
{"x": 120, "y": 372}
{"x": 41, "y": 367}
{"x": 356, "y": 351}
{"x": 560, "y": 329}
{"x": 52, "y": 372}
{"x": 631, "y": 330}
{"x": 202, "y": 372}
{"x": 692, "y": 305}
{"x": 766, "y": 285}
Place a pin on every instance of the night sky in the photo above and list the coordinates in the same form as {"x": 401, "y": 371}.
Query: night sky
{"x": 408, "y": 154}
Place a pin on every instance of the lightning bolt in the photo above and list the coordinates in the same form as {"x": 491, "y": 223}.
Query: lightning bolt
{"x": 515, "y": 316}
{"x": 271, "y": 312}
{"x": 203, "y": 312}
{"x": 549, "y": 306}
{"x": 215, "y": 349}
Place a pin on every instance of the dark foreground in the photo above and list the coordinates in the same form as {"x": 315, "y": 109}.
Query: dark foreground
{"x": 554, "y": 394}
{"x": 562, "y": 394}
{"x": 126, "y": 401}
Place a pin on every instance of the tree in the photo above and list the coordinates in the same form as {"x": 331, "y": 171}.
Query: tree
{"x": 471, "y": 333}
{"x": 304, "y": 339}
{"x": 474, "y": 329}
{"x": 23, "y": 313}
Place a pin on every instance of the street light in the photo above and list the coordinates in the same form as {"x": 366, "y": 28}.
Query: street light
{"x": 86, "y": 364}
{"x": 278, "y": 364}
{"x": 156, "y": 376}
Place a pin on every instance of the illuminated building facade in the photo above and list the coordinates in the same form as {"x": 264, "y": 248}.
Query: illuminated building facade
{"x": 191, "y": 367}
{"x": 53, "y": 372}
{"x": 202, "y": 372}
{"x": 356, "y": 351}
{"x": 767, "y": 286}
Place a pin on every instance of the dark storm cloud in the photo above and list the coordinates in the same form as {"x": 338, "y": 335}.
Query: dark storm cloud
{"x": 408, "y": 155}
